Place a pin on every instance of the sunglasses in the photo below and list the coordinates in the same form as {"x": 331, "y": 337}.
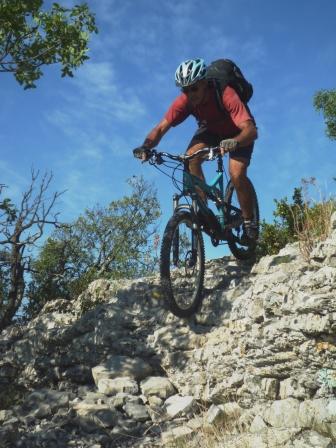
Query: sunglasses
{"x": 190, "y": 89}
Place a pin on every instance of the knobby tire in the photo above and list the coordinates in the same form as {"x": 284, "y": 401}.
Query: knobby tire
{"x": 174, "y": 242}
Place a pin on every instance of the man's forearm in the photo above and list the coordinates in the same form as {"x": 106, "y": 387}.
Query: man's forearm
{"x": 156, "y": 134}
{"x": 246, "y": 136}
{"x": 153, "y": 138}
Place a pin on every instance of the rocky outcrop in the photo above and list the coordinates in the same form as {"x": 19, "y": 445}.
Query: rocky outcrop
{"x": 256, "y": 364}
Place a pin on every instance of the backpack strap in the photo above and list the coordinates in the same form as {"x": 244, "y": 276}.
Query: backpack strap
{"x": 219, "y": 89}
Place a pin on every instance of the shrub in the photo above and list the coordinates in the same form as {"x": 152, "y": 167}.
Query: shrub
{"x": 304, "y": 220}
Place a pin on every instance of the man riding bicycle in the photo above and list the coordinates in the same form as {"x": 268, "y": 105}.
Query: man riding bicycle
{"x": 233, "y": 130}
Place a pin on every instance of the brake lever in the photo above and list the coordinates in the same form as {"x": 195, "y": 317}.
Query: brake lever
{"x": 211, "y": 155}
{"x": 158, "y": 159}
{"x": 155, "y": 158}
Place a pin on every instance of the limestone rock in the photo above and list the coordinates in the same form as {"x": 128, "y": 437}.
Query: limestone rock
{"x": 115, "y": 368}
{"x": 121, "y": 366}
{"x": 159, "y": 386}
{"x": 136, "y": 411}
{"x": 109, "y": 386}
{"x": 177, "y": 405}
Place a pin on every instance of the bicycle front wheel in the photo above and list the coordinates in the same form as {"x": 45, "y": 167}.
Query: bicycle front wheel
{"x": 182, "y": 265}
{"x": 239, "y": 250}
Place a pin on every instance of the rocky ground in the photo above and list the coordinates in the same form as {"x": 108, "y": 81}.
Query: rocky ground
{"x": 114, "y": 369}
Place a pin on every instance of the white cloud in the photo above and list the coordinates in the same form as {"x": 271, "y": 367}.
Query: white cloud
{"x": 99, "y": 92}
{"x": 92, "y": 112}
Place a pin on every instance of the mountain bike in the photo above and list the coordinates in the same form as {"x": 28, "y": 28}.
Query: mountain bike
{"x": 182, "y": 256}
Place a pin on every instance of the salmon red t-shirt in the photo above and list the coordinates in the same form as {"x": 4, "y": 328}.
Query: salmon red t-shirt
{"x": 209, "y": 115}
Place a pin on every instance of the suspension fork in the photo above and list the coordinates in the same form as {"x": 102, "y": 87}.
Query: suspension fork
{"x": 222, "y": 207}
{"x": 176, "y": 238}
{"x": 194, "y": 230}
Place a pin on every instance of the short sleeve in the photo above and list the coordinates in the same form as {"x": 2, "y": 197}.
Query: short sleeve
{"x": 235, "y": 107}
{"x": 178, "y": 111}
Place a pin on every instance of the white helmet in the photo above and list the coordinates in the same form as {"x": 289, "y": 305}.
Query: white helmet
{"x": 189, "y": 72}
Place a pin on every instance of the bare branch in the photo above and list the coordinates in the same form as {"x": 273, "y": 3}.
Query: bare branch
{"x": 20, "y": 234}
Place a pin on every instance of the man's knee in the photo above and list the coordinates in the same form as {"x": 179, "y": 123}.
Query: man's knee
{"x": 238, "y": 180}
{"x": 195, "y": 147}
{"x": 195, "y": 164}
{"x": 238, "y": 171}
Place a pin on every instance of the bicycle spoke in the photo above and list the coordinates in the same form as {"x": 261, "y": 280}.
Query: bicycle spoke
{"x": 182, "y": 265}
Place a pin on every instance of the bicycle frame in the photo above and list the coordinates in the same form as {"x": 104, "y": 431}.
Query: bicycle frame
{"x": 216, "y": 226}
{"x": 214, "y": 190}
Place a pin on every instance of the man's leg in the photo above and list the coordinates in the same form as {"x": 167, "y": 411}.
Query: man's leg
{"x": 201, "y": 139}
{"x": 195, "y": 166}
{"x": 238, "y": 173}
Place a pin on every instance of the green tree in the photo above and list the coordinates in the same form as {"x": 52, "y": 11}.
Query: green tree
{"x": 61, "y": 270}
{"x": 113, "y": 242}
{"x": 31, "y": 37}
{"x": 325, "y": 102}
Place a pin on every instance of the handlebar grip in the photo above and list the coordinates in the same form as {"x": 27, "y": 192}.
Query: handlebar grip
{"x": 140, "y": 152}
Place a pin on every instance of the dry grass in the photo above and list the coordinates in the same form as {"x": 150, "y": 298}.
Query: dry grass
{"x": 214, "y": 435}
{"x": 312, "y": 222}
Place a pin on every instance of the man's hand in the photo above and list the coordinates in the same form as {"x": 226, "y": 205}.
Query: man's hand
{"x": 141, "y": 153}
{"x": 228, "y": 145}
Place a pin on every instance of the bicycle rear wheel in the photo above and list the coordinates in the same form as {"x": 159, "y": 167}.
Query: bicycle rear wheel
{"x": 233, "y": 215}
{"x": 182, "y": 265}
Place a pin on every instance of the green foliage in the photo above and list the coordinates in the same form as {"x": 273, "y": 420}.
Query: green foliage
{"x": 302, "y": 220}
{"x": 31, "y": 37}
{"x": 325, "y": 102}
{"x": 288, "y": 217}
{"x": 7, "y": 209}
{"x": 60, "y": 271}
{"x": 88, "y": 303}
{"x": 111, "y": 242}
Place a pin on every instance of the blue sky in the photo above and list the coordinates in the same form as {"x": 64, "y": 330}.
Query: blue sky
{"x": 83, "y": 129}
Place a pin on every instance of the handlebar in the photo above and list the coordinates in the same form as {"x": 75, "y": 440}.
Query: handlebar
{"x": 156, "y": 157}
